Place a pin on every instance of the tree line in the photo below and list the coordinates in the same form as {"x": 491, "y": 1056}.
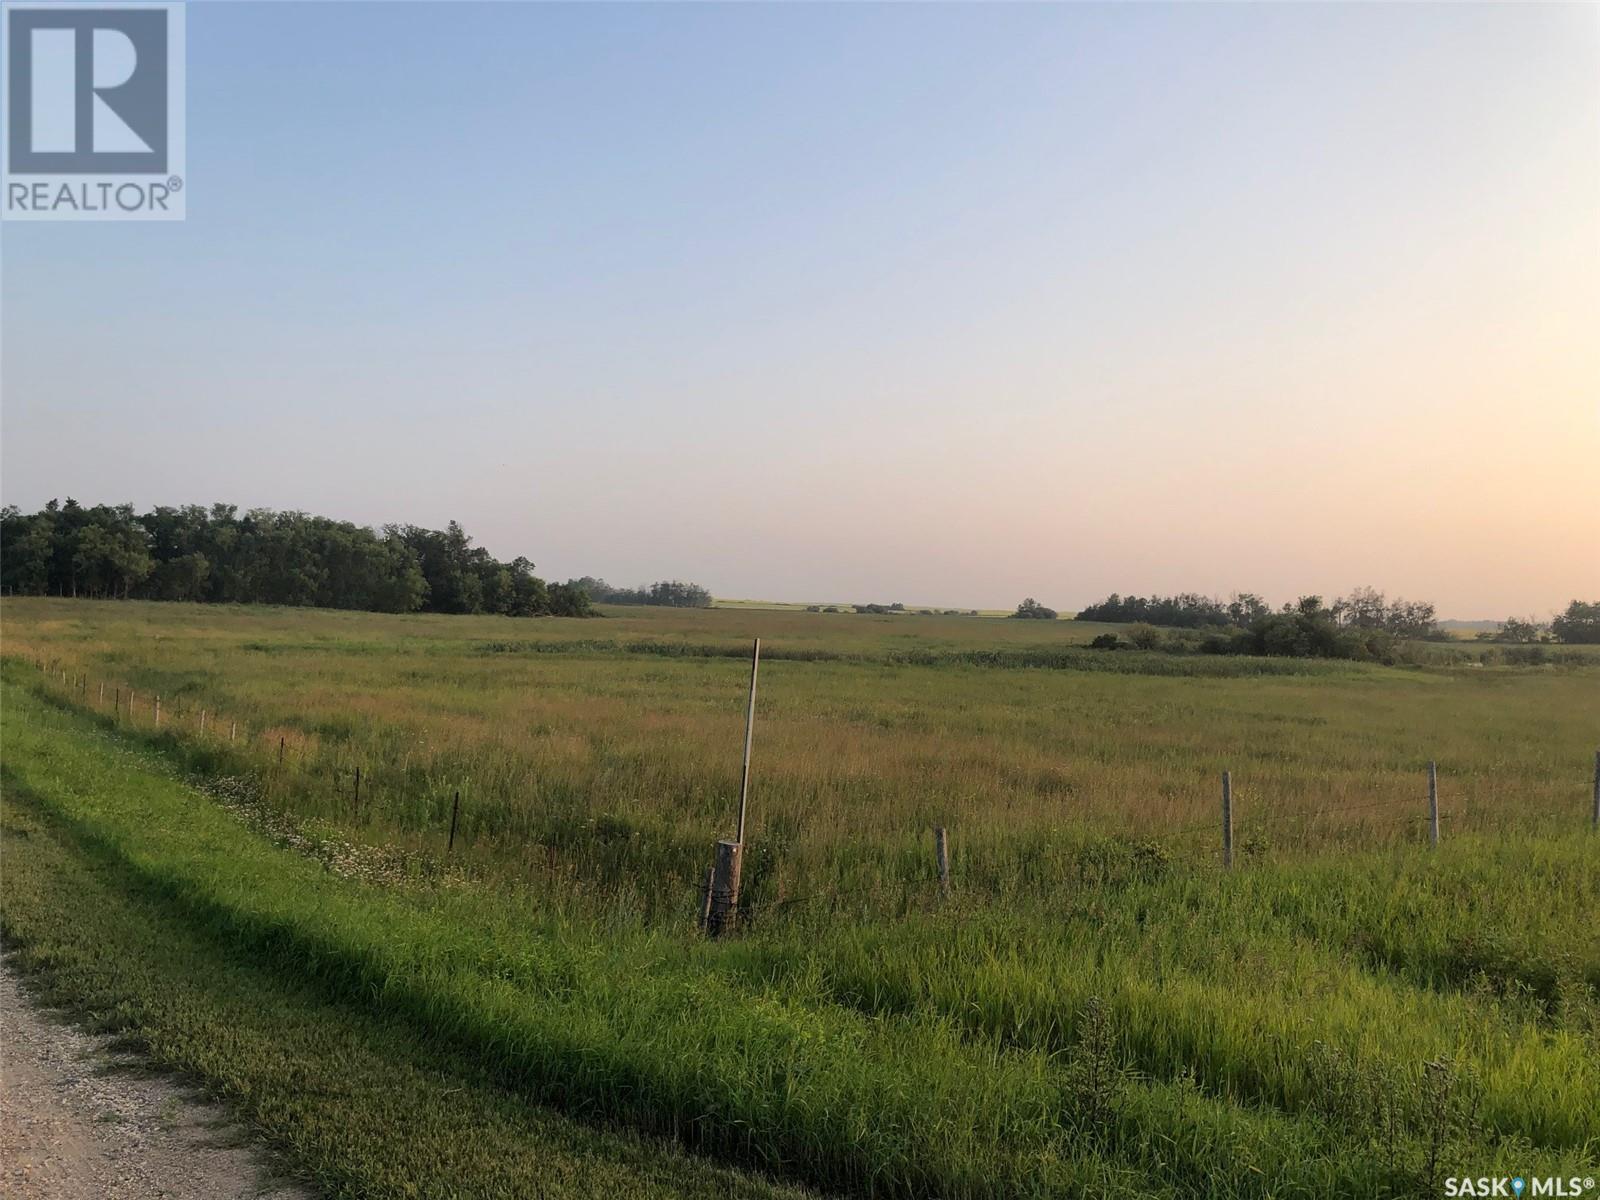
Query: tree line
{"x": 669, "y": 593}
{"x": 1577, "y": 624}
{"x": 1362, "y": 609}
{"x": 1363, "y": 625}
{"x": 216, "y": 555}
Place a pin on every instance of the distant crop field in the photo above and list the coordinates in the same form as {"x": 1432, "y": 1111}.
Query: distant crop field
{"x": 1096, "y": 1007}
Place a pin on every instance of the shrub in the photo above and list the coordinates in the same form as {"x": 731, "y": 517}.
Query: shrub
{"x": 1144, "y": 637}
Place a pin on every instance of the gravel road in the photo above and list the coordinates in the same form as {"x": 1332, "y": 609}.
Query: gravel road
{"x": 74, "y": 1127}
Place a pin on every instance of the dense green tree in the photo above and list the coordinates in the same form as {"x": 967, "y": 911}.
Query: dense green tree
{"x": 70, "y": 550}
{"x": 1363, "y": 609}
{"x": 672, "y": 593}
{"x": 1580, "y": 623}
{"x": 1516, "y": 629}
{"x": 1309, "y": 629}
{"x": 1244, "y": 607}
{"x": 28, "y": 549}
{"x": 265, "y": 557}
{"x": 1186, "y": 610}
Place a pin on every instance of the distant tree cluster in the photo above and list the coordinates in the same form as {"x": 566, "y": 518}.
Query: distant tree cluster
{"x": 1310, "y": 629}
{"x": 1579, "y": 624}
{"x": 891, "y": 609}
{"x": 1362, "y": 609}
{"x": 1364, "y": 625}
{"x": 1518, "y": 631}
{"x": 1031, "y": 609}
{"x": 669, "y": 593}
{"x": 1366, "y": 608}
{"x": 1187, "y": 610}
{"x": 266, "y": 557}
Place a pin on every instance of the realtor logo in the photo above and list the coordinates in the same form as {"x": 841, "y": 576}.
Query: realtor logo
{"x": 93, "y": 112}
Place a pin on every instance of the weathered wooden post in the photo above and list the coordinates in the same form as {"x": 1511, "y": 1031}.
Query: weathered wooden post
{"x": 1594, "y": 819}
{"x": 455, "y": 812}
{"x": 116, "y": 704}
{"x": 280, "y": 749}
{"x": 941, "y": 854}
{"x": 1433, "y": 804}
{"x": 725, "y": 888}
{"x": 1227, "y": 819}
{"x": 705, "y": 898}
{"x": 158, "y": 712}
{"x": 355, "y": 803}
{"x": 202, "y": 722}
{"x": 233, "y": 729}
{"x": 749, "y": 734}
{"x": 100, "y": 700}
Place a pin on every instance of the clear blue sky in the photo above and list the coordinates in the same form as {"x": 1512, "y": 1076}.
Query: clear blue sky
{"x": 941, "y": 304}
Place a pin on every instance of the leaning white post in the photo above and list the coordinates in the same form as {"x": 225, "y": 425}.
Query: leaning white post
{"x": 749, "y": 734}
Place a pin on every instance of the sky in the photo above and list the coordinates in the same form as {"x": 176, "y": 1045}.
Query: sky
{"x": 939, "y": 304}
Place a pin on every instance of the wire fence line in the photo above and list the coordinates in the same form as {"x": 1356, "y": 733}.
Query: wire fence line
{"x": 75, "y": 689}
{"x": 124, "y": 699}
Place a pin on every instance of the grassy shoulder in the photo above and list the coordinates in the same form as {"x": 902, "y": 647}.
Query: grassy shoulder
{"x": 354, "y": 1104}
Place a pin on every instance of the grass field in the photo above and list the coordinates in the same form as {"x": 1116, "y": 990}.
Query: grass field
{"x": 1097, "y": 1008}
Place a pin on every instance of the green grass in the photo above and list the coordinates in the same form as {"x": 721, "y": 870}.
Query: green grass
{"x": 944, "y": 1050}
{"x": 611, "y": 748}
{"x": 354, "y": 1105}
{"x": 1097, "y": 1009}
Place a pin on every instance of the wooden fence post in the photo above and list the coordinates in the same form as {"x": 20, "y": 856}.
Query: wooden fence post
{"x": 158, "y": 712}
{"x": 725, "y": 887}
{"x": 1227, "y": 820}
{"x": 202, "y": 722}
{"x": 455, "y": 811}
{"x": 941, "y": 854}
{"x": 705, "y": 898}
{"x": 233, "y": 730}
{"x": 116, "y": 704}
{"x": 355, "y": 804}
{"x": 280, "y": 750}
{"x": 1433, "y": 804}
{"x": 100, "y": 700}
{"x": 1594, "y": 819}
